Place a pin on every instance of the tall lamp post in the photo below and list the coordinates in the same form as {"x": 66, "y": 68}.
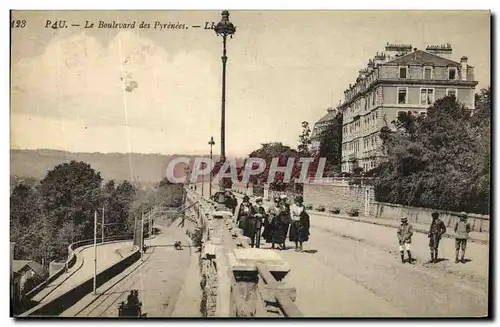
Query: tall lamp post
{"x": 224, "y": 28}
{"x": 211, "y": 143}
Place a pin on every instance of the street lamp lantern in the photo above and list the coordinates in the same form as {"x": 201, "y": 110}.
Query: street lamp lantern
{"x": 224, "y": 28}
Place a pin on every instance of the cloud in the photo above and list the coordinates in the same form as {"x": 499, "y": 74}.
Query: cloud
{"x": 130, "y": 85}
{"x": 77, "y": 78}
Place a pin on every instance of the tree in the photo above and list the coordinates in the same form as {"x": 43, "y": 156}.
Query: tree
{"x": 304, "y": 140}
{"x": 124, "y": 197}
{"x": 25, "y": 222}
{"x": 330, "y": 146}
{"x": 70, "y": 192}
{"x": 268, "y": 151}
{"x": 436, "y": 161}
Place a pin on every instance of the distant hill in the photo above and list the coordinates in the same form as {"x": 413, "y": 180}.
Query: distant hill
{"x": 145, "y": 168}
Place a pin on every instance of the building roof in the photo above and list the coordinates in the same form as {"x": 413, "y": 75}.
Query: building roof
{"x": 18, "y": 265}
{"x": 323, "y": 120}
{"x": 328, "y": 117}
{"x": 419, "y": 57}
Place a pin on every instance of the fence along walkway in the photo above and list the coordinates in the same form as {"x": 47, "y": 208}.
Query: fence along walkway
{"x": 239, "y": 281}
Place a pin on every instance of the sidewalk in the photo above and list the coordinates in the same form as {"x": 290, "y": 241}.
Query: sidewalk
{"x": 159, "y": 278}
{"x": 477, "y": 237}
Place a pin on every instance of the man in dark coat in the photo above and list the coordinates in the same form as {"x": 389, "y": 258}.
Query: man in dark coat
{"x": 257, "y": 220}
{"x": 234, "y": 203}
{"x": 436, "y": 231}
{"x": 286, "y": 218}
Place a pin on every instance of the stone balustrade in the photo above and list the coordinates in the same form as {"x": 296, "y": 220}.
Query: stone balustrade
{"x": 238, "y": 281}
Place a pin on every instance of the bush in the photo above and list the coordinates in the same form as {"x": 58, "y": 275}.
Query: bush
{"x": 335, "y": 210}
{"x": 309, "y": 206}
{"x": 353, "y": 212}
{"x": 320, "y": 208}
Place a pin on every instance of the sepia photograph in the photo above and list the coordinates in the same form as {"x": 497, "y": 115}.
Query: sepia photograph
{"x": 250, "y": 164}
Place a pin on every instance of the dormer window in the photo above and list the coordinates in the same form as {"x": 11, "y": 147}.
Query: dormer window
{"x": 403, "y": 72}
{"x": 427, "y": 72}
{"x": 452, "y": 73}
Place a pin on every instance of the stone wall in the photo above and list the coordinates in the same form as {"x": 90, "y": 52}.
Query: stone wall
{"x": 209, "y": 282}
{"x": 479, "y": 223}
{"x": 208, "y": 268}
{"x": 341, "y": 195}
{"x": 362, "y": 197}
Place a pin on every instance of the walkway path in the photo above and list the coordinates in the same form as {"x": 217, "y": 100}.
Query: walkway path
{"x": 107, "y": 254}
{"x": 159, "y": 278}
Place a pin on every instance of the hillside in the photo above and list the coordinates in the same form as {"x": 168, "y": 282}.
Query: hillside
{"x": 146, "y": 168}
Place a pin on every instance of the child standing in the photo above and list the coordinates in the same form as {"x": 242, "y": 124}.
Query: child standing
{"x": 405, "y": 232}
{"x": 462, "y": 230}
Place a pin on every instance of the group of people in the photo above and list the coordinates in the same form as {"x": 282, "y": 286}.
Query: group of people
{"x": 282, "y": 220}
{"x": 226, "y": 199}
{"x": 436, "y": 231}
{"x": 274, "y": 225}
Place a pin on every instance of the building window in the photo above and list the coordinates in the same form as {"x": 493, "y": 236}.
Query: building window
{"x": 427, "y": 72}
{"x": 373, "y": 97}
{"x": 452, "y": 73}
{"x": 452, "y": 92}
{"x": 403, "y": 72}
{"x": 426, "y": 96}
{"x": 402, "y": 95}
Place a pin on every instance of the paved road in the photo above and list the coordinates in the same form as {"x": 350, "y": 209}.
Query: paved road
{"x": 158, "y": 278}
{"x": 107, "y": 254}
{"x": 353, "y": 269}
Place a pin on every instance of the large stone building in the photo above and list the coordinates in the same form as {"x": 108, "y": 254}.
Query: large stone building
{"x": 403, "y": 79}
{"x": 319, "y": 128}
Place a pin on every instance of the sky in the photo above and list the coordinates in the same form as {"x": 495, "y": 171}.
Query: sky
{"x": 159, "y": 91}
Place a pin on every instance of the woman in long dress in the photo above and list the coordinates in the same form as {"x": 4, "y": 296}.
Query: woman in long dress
{"x": 246, "y": 211}
{"x": 276, "y": 224}
{"x": 279, "y": 226}
{"x": 299, "y": 229}
{"x": 268, "y": 227}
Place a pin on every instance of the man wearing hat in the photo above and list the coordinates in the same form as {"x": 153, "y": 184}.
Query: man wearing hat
{"x": 285, "y": 217}
{"x": 259, "y": 217}
{"x": 462, "y": 230}
{"x": 405, "y": 232}
{"x": 436, "y": 231}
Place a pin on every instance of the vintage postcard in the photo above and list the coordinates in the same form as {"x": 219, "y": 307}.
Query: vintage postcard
{"x": 277, "y": 164}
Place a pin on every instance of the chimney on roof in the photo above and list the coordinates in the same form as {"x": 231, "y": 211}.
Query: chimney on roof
{"x": 442, "y": 50}
{"x": 397, "y": 50}
{"x": 463, "y": 68}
